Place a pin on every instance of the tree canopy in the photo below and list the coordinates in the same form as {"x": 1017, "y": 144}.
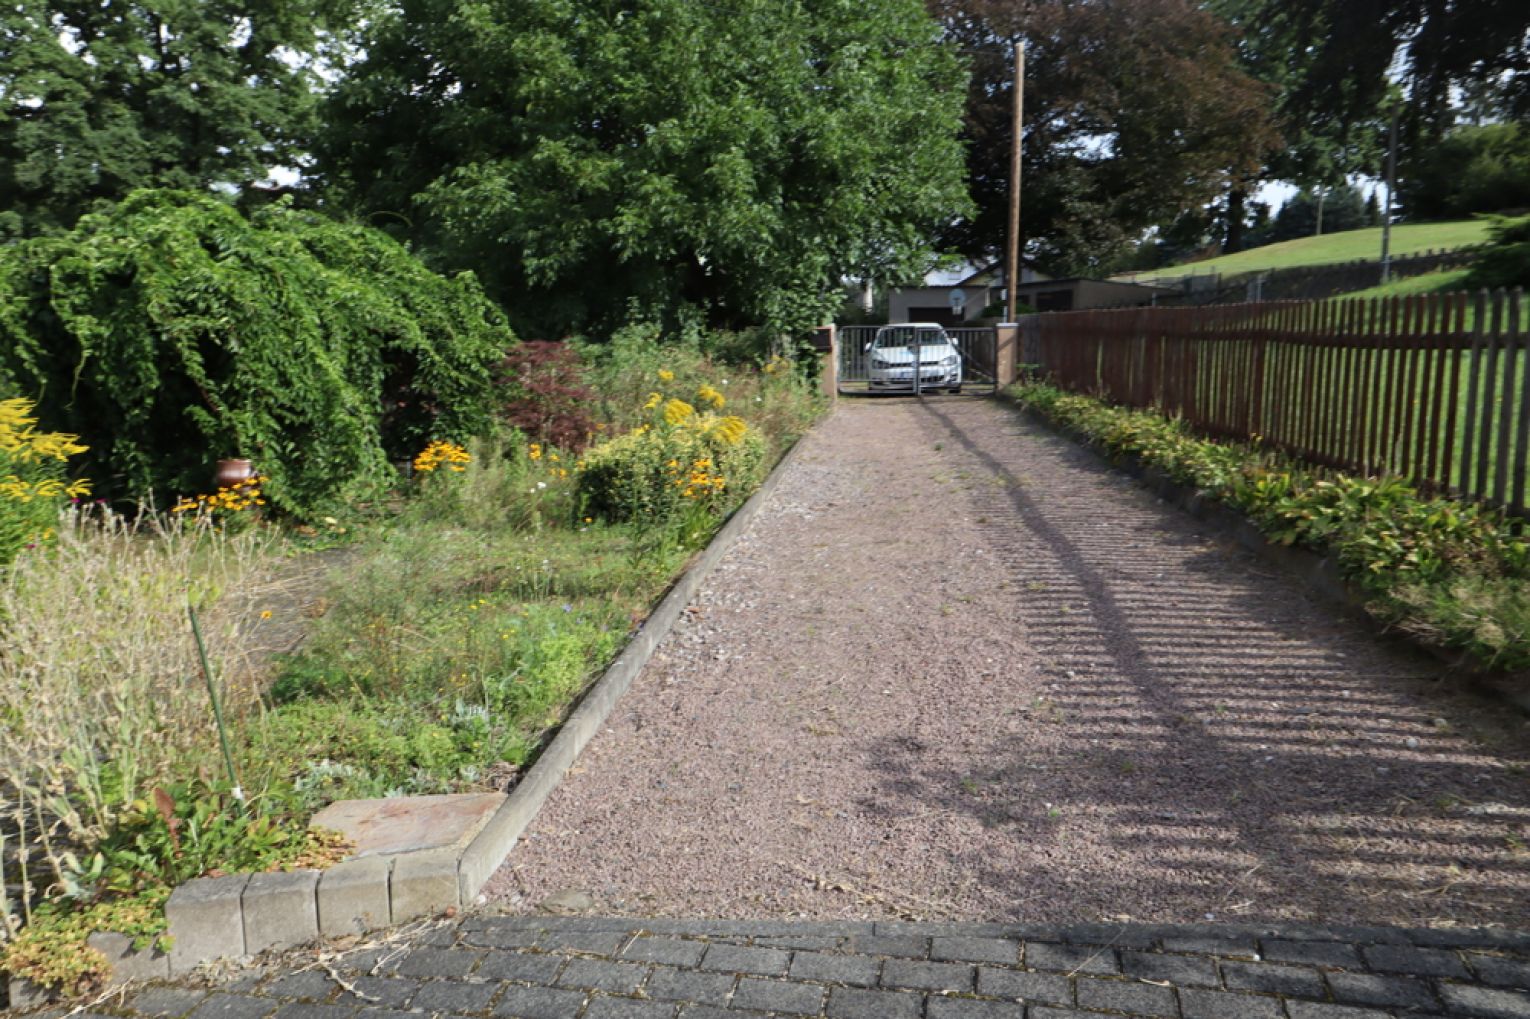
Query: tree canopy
{"x": 1135, "y": 111}
{"x": 97, "y": 99}
{"x": 671, "y": 159}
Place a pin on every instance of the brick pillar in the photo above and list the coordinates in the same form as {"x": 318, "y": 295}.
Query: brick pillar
{"x": 1006, "y": 353}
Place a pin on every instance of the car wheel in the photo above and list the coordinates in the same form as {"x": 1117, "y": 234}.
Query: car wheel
{"x": 954, "y": 389}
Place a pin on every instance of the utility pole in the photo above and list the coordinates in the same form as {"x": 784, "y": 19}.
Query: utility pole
{"x": 1386, "y": 217}
{"x": 1012, "y": 259}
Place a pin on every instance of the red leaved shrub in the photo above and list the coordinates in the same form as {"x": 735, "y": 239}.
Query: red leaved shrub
{"x": 544, "y": 395}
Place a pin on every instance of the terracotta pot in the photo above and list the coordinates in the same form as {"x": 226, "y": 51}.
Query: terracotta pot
{"x": 231, "y": 472}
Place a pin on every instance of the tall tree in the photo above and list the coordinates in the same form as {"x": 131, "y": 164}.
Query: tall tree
{"x": 593, "y": 159}
{"x": 1135, "y": 111}
{"x": 97, "y": 99}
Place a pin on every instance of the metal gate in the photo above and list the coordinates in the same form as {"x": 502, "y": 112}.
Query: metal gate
{"x": 978, "y": 348}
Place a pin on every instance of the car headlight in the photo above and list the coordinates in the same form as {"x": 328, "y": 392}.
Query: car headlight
{"x": 879, "y": 363}
{"x": 951, "y": 360}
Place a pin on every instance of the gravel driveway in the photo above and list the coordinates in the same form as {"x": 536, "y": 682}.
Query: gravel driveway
{"x": 956, "y": 669}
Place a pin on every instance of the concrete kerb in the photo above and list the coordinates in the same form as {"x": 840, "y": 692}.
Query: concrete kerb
{"x": 211, "y": 918}
{"x": 1319, "y": 574}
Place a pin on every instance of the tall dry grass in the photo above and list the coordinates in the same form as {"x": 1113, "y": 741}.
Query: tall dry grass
{"x": 101, "y": 694}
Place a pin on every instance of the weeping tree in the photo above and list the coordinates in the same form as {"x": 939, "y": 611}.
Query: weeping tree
{"x": 173, "y": 330}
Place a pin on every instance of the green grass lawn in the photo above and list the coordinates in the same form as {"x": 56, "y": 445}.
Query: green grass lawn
{"x": 1442, "y": 282}
{"x": 1410, "y": 238}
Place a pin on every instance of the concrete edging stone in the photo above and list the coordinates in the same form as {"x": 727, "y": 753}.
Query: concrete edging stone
{"x": 242, "y": 914}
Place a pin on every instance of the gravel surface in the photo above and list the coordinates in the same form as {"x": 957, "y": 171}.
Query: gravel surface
{"x": 956, "y": 669}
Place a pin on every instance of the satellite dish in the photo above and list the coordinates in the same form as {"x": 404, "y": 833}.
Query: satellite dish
{"x": 958, "y": 298}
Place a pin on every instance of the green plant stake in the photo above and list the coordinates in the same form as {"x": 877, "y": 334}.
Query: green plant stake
{"x": 212, "y": 692}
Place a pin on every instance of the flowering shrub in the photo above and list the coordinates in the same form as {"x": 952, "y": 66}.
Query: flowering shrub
{"x": 679, "y": 459}
{"x": 33, "y": 486}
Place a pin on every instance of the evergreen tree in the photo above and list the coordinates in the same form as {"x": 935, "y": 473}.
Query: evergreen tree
{"x": 97, "y": 99}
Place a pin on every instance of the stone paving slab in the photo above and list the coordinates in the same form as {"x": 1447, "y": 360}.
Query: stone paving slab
{"x": 518, "y": 967}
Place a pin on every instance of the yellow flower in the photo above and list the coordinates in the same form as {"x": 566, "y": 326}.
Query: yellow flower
{"x": 653, "y": 401}
{"x": 266, "y": 614}
{"x": 665, "y": 375}
{"x": 677, "y": 411}
{"x": 706, "y": 394}
{"x": 536, "y": 451}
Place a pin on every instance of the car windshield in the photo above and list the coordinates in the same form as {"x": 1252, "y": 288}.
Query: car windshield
{"x": 907, "y": 337}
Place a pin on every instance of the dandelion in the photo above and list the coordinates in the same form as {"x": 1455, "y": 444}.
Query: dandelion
{"x": 265, "y": 614}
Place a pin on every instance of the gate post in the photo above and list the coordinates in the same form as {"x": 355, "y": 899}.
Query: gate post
{"x": 1006, "y": 355}
{"x": 826, "y": 339}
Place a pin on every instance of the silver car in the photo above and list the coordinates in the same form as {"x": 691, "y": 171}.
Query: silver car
{"x": 891, "y": 358}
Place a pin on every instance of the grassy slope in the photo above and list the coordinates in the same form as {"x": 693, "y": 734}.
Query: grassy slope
{"x": 1341, "y": 247}
{"x": 1443, "y": 281}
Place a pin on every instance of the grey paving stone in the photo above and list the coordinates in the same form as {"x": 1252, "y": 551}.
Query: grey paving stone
{"x": 386, "y": 1013}
{"x": 381, "y": 992}
{"x": 1501, "y": 972}
{"x": 234, "y": 1006}
{"x": 629, "y": 1008}
{"x": 710, "y": 1012}
{"x": 1484, "y": 1002}
{"x": 1071, "y": 958}
{"x": 311, "y": 984}
{"x": 1198, "y": 1004}
{"x": 1194, "y": 971}
{"x": 965, "y": 1008}
{"x": 495, "y": 937}
{"x": 670, "y": 951}
{"x": 441, "y": 937}
{"x": 1384, "y": 990}
{"x": 1126, "y": 996}
{"x": 600, "y": 975}
{"x": 690, "y": 985}
{"x": 999, "y": 950}
{"x": 947, "y": 929}
{"x": 1423, "y": 962}
{"x": 538, "y": 1003}
{"x": 902, "y": 946}
{"x": 587, "y": 942}
{"x": 454, "y": 996}
{"x": 1329, "y": 954}
{"x": 1492, "y": 939}
{"x": 807, "y": 943}
{"x": 1232, "y": 947}
{"x": 166, "y": 1001}
{"x": 928, "y": 976}
{"x": 1047, "y": 1012}
{"x": 302, "y": 1010}
{"x": 1114, "y": 935}
{"x": 1320, "y": 1010}
{"x": 768, "y": 962}
{"x": 1049, "y": 988}
{"x": 523, "y": 966}
{"x": 857, "y": 970}
{"x": 778, "y": 996}
{"x": 438, "y": 962}
{"x": 849, "y": 1003}
{"x": 1275, "y": 979}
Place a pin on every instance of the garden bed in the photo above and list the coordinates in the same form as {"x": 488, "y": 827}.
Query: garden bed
{"x": 458, "y": 626}
{"x": 1450, "y": 576}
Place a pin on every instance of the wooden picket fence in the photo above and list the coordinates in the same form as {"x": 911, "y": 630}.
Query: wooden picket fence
{"x": 1435, "y": 388}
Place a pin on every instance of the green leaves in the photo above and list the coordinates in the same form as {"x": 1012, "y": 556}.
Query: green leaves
{"x": 657, "y": 157}
{"x": 173, "y": 332}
